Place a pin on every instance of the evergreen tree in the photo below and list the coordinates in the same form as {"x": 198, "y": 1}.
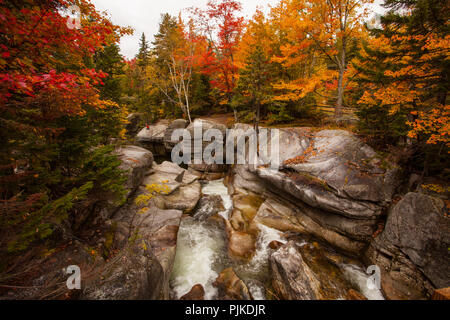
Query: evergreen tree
{"x": 403, "y": 71}
{"x": 255, "y": 80}
{"x": 111, "y": 61}
{"x": 143, "y": 57}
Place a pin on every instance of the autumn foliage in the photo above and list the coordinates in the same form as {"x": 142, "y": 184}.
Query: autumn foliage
{"x": 65, "y": 92}
{"x": 50, "y": 105}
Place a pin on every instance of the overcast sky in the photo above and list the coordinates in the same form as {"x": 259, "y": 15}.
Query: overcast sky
{"x": 144, "y": 15}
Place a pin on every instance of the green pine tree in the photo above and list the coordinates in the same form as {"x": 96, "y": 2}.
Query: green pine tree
{"x": 143, "y": 56}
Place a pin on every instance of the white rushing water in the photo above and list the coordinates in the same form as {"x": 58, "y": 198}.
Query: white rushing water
{"x": 199, "y": 246}
{"x": 200, "y": 249}
{"x": 217, "y": 187}
{"x": 260, "y": 261}
{"x": 359, "y": 278}
{"x": 202, "y": 255}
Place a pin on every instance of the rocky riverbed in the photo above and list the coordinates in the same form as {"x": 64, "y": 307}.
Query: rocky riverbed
{"x": 306, "y": 231}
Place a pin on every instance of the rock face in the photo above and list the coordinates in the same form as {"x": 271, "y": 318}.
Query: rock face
{"x": 302, "y": 273}
{"x": 332, "y": 170}
{"x": 230, "y": 287}
{"x": 135, "y": 161}
{"x": 153, "y": 138}
{"x": 329, "y": 184}
{"x": 148, "y": 239}
{"x": 342, "y": 233}
{"x": 174, "y": 125}
{"x": 135, "y": 274}
{"x": 413, "y": 248}
{"x": 184, "y": 188}
{"x": 241, "y": 245}
{"x": 198, "y": 147}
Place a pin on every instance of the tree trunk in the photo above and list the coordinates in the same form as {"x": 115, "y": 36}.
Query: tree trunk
{"x": 340, "y": 95}
{"x": 257, "y": 116}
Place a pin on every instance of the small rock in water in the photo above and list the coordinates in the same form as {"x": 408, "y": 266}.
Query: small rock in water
{"x": 231, "y": 287}
{"x": 197, "y": 293}
{"x": 241, "y": 246}
{"x": 275, "y": 245}
{"x": 208, "y": 206}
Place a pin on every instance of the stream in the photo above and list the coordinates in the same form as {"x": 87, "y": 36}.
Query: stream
{"x": 202, "y": 254}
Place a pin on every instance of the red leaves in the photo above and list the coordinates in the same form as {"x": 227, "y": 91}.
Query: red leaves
{"x": 225, "y": 35}
{"x": 44, "y": 60}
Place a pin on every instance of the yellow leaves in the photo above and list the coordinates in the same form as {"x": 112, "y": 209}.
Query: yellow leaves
{"x": 152, "y": 190}
{"x": 436, "y": 188}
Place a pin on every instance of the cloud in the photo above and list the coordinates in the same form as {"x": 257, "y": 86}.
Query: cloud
{"x": 144, "y": 16}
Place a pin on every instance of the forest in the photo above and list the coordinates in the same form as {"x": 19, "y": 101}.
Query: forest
{"x": 67, "y": 93}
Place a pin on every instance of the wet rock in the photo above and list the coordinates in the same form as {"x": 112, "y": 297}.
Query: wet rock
{"x": 245, "y": 207}
{"x": 211, "y": 176}
{"x": 208, "y": 206}
{"x": 153, "y": 138}
{"x": 274, "y": 245}
{"x": 241, "y": 245}
{"x": 197, "y": 293}
{"x": 413, "y": 248}
{"x": 209, "y": 168}
{"x": 304, "y": 273}
{"x": 343, "y": 234}
{"x": 355, "y": 295}
{"x": 442, "y": 294}
{"x": 230, "y": 287}
{"x": 207, "y": 176}
{"x": 174, "y": 125}
{"x": 152, "y": 231}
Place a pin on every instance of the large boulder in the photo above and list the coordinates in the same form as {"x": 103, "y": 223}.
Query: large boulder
{"x": 331, "y": 170}
{"x": 153, "y": 138}
{"x": 174, "y": 125}
{"x": 146, "y": 237}
{"x": 329, "y": 184}
{"x": 185, "y": 198}
{"x": 198, "y": 146}
{"x": 412, "y": 251}
{"x": 346, "y": 234}
{"x": 303, "y": 272}
{"x": 135, "y": 162}
{"x": 183, "y": 188}
{"x": 171, "y": 175}
{"x": 241, "y": 245}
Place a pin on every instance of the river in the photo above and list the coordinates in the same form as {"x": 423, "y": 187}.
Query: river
{"x": 202, "y": 255}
